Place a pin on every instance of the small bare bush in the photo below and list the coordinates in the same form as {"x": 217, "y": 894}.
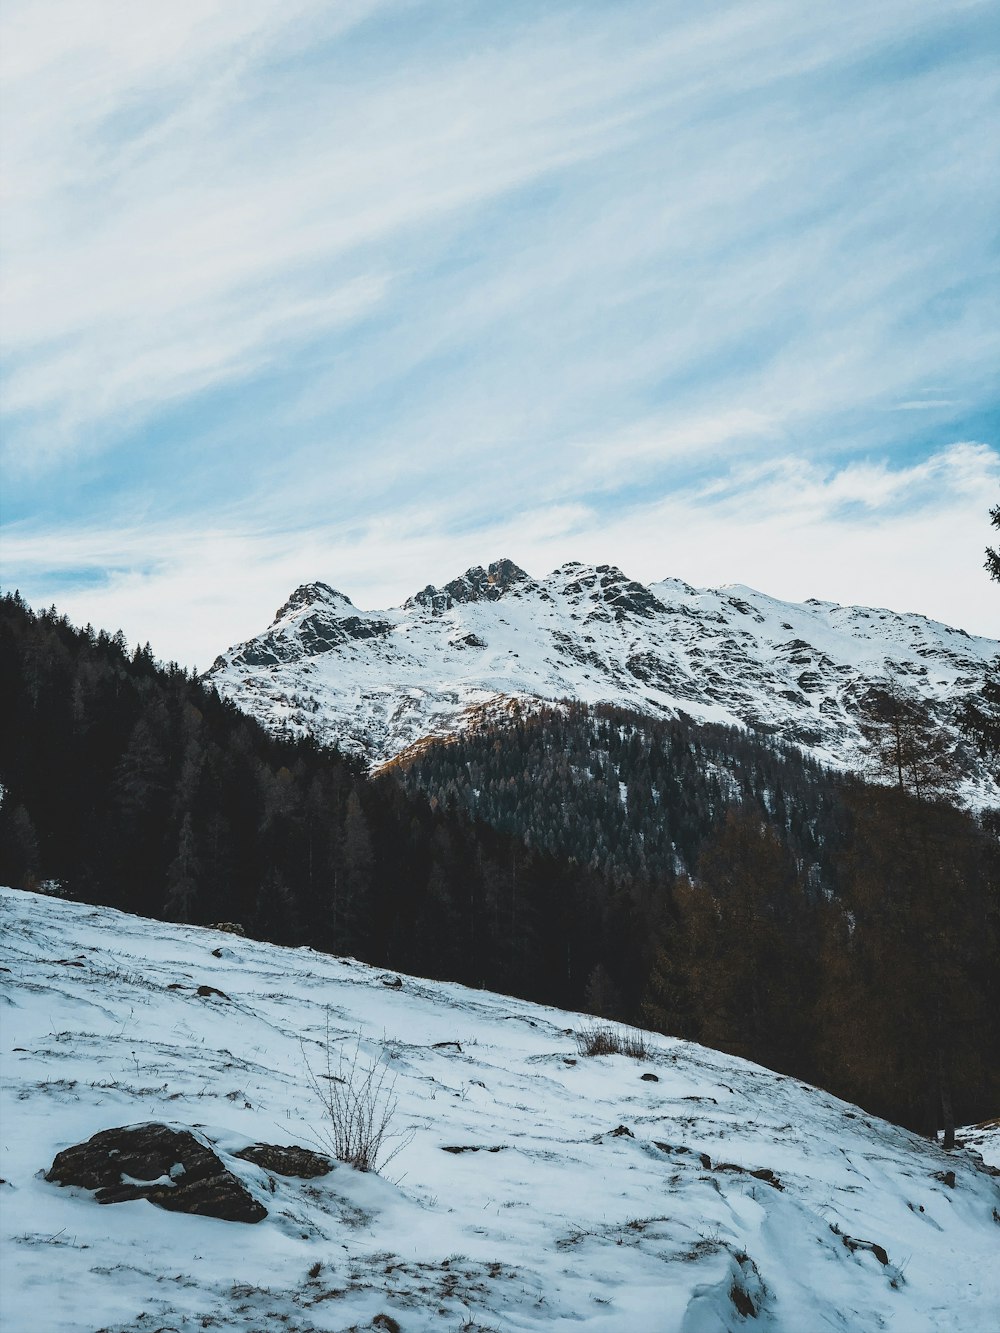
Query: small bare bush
{"x": 603, "y": 1039}
{"x": 359, "y": 1106}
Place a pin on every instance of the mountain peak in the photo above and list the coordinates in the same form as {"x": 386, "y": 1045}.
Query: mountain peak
{"x": 475, "y": 585}
{"x": 380, "y": 681}
{"x": 478, "y": 584}
{"x": 312, "y": 595}
{"x": 608, "y": 587}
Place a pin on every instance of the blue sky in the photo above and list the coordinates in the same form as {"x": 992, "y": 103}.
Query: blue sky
{"x": 373, "y": 291}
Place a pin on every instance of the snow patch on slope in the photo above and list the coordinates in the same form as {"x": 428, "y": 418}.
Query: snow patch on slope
{"x": 586, "y": 1196}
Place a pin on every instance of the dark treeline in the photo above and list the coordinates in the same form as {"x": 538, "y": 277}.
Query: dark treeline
{"x": 631, "y": 796}
{"x": 739, "y": 896}
{"x": 136, "y": 786}
{"x": 813, "y": 922}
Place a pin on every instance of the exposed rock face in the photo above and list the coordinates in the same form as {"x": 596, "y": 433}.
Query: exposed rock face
{"x": 323, "y": 620}
{"x": 478, "y": 584}
{"x": 432, "y": 599}
{"x": 378, "y": 682}
{"x": 173, "y": 1168}
{"x": 613, "y": 595}
{"x": 475, "y": 585}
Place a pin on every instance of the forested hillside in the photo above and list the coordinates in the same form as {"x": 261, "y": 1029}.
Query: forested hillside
{"x": 135, "y": 785}
{"x": 690, "y": 878}
{"x": 629, "y": 795}
{"x": 786, "y": 901}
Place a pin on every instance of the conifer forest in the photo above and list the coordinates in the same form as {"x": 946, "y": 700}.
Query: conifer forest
{"x": 689, "y": 878}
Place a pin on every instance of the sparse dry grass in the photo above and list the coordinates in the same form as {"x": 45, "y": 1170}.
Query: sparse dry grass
{"x": 603, "y": 1039}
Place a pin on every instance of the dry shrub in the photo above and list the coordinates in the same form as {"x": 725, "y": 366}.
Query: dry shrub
{"x": 603, "y": 1039}
{"x": 359, "y": 1106}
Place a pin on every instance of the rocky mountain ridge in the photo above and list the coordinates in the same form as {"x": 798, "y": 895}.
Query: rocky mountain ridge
{"x": 377, "y": 682}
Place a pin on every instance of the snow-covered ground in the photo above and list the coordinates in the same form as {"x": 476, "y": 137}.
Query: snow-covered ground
{"x": 377, "y": 682}
{"x": 555, "y": 1222}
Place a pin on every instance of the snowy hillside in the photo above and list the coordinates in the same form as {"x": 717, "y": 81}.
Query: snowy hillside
{"x": 536, "y": 1188}
{"x": 380, "y": 681}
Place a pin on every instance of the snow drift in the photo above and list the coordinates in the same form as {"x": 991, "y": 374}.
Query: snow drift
{"x": 536, "y": 1188}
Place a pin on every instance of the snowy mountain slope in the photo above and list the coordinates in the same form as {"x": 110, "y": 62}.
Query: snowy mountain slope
{"x": 379, "y": 681}
{"x": 588, "y": 1196}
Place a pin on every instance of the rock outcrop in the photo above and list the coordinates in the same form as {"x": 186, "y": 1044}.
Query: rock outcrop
{"x": 174, "y": 1168}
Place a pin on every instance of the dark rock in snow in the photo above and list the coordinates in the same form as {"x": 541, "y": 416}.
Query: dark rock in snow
{"x": 771, "y": 1177}
{"x": 703, "y": 1157}
{"x": 290, "y": 1160}
{"x": 431, "y": 599}
{"x": 170, "y": 1167}
{"x": 853, "y": 1244}
{"x": 457, "y": 1148}
{"x": 762, "y": 1173}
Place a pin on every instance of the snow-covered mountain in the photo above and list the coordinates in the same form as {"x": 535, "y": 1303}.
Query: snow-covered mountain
{"x": 377, "y": 682}
{"x": 536, "y": 1189}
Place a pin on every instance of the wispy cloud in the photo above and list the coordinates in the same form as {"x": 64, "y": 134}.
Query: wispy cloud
{"x": 791, "y": 528}
{"x": 404, "y": 284}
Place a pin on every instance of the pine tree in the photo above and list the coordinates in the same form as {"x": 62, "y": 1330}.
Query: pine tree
{"x": 182, "y": 876}
{"x": 352, "y": 882}
{"x": 992, "y": 563}
{"x": 601, "y": 995}
{"x": 909, "y": 953}
{"x": 980, "y": 714}
{"x": 907, "y": 748}
{"x": 750, "y": 945}
{"x": 19, "y": 860}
